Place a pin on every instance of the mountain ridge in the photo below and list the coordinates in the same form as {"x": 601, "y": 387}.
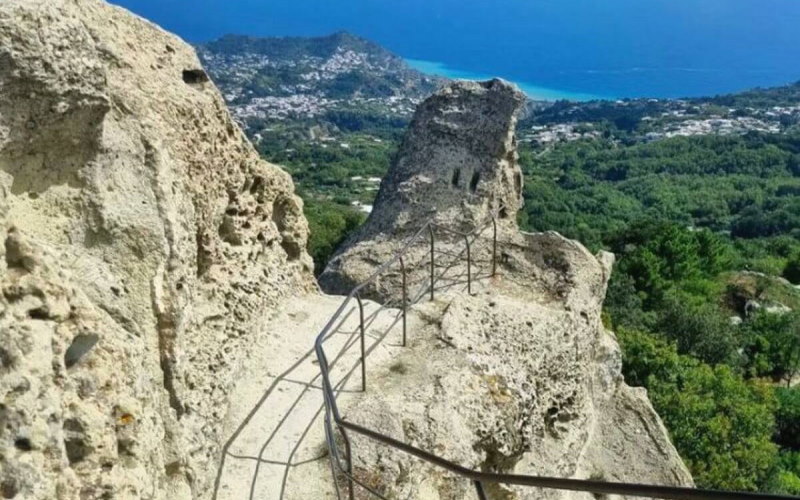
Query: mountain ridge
{"x": 265, "y": 78}
{"x": 288, "y": 46}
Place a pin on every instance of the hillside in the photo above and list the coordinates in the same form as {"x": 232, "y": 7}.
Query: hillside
{"x": 773, "y": 110}
{"x": 159, "y": 316}
{"x": 698, "y": 198}
{"x": 265, "y": 79}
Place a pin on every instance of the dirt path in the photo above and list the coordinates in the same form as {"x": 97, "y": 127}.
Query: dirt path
{"x": 275, "y": 419}
{"x": 275, "y": 430}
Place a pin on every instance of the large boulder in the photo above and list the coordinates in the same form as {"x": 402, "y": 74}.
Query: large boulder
{"x": 144, "y": 242}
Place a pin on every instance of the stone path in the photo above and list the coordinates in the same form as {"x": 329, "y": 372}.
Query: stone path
{"x": 275, "y": 421}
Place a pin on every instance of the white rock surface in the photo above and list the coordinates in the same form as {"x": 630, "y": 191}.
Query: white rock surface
{"x": 150, "y": 243}
{"x": 518, "y": 377}
{"x": 521, "y": 376}
{"x": 457, "y": 164}
{"x": 276, "y": 413}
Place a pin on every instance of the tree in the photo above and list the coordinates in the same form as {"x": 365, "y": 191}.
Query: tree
{"x": 715, "y": 253}
{"x": 624, "y": 303}
{"x": 699, "y": 330}
{"x": 787, "y": 419}
{"x": 329, "y": 224}
{"x": 792, "y": 270}
{"x": 772, "y": 345}
{"x": 721, "y": 424}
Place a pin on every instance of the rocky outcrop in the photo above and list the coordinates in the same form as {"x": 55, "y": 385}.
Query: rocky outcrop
{"x": 144, "y": 242}
{"x": 521, "y": 376}
{"x": 514, "y": 380}
{"x": 458, "y": 160}
{"x": 457, "y": 164}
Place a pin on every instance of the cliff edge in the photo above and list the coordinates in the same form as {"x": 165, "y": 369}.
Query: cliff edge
{"x": 144, "y": 242}
{"x": 515, "y": 373}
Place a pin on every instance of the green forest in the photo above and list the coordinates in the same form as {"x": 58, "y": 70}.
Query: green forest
{"x": 703, "y": 299}
{"x": 706, "y": 230}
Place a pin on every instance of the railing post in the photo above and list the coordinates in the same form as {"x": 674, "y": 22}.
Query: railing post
{"x": 405, "y": 297}
{"x": 430, "y": 230}
{"x": 479, "y": 489}
{"x": 363, "y": 348}
{"x": 494, "y": 247}
{"x": 348, "y": 451}
{"x": 469, "y": 265}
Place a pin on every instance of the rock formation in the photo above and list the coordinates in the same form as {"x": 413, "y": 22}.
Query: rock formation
{"x": 144, "y": 242}
{"x": 145, "y": 246}
{"x": 521, "y": 376}
{"x": 457, "y": 164}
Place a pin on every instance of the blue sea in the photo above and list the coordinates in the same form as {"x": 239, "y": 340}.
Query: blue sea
{"x": 577, "y": 49}
{"x": 532, "y": 90}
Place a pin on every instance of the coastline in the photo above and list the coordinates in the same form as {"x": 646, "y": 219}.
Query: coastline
{"x": 534, "y": 92}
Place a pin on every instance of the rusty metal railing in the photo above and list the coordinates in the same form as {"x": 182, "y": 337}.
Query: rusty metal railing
{"x": 342, "y": 463}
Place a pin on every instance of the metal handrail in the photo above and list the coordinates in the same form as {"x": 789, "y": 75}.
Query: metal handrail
{"x": 333, "y": 417}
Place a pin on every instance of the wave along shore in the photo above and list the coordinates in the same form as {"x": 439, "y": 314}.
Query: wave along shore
{"x": 535, "y": 92}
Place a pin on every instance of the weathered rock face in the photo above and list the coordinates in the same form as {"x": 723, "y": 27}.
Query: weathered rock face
{"x": 457, "y": 165}
{"x": 148, "y": 240}
{"x": 458, "y": 159}
{"x": 521, "y": 377}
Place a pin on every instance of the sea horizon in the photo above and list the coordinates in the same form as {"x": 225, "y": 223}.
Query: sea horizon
{"x": 533, "y": 91}
{"x": 578, "y": 50}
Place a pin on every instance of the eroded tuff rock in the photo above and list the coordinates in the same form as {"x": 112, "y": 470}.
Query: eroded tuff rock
{"x": 516, "y": 379}
{"x": 144, "y": 241}
{"x": 521, "y": 377}
{"x": 457, "y": 164}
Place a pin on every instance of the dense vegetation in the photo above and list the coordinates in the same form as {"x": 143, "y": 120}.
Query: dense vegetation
{"x": 707, "y": 234}
{"x": 591, "y": 189}
{"x": 334, "y": 173}
{"x": 702, "y": 227}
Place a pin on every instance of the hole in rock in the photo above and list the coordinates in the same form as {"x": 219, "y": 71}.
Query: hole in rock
{"x": 9, "y": 488}
{"x": 258, "y": 185}
{"x": 76, "y": 448}
{"x": 473, "y": 183}
{"x": 291, "y": 248}
{"x": 38, "y": 313}
{"x": 228, "y": 232}
{"x": 194, "y": 76}
{"x": 456, "y": 177}
{"x": 6, "y": 361}
{"x": 125, "y": 447}
{"x": 23, "y": 444}
{"x": 81, "y": 345}
{"x": 518, "y": 183}
{"x": 172, "y": 468}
